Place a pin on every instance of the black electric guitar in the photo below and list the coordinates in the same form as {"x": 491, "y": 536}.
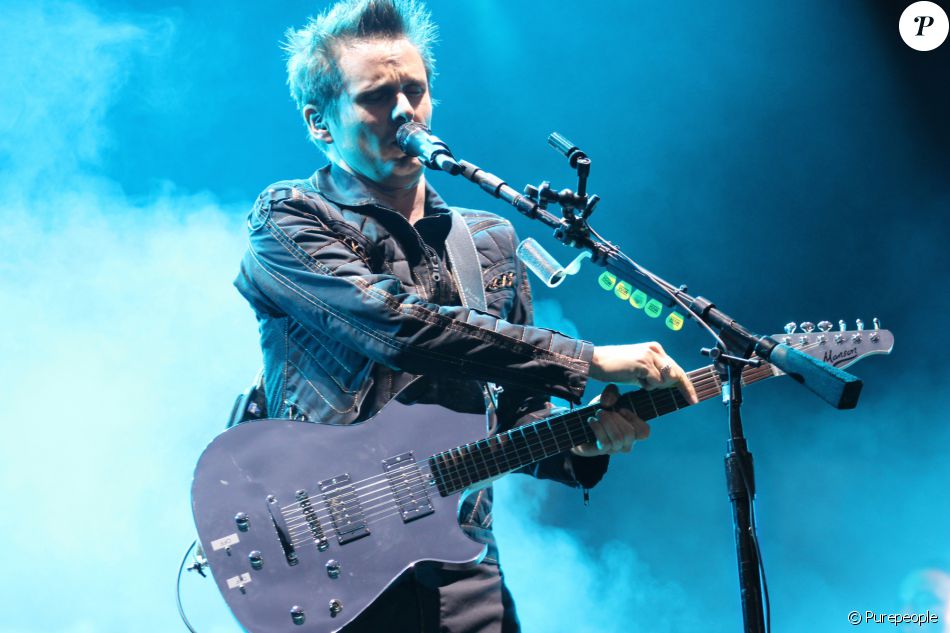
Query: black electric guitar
{"x": 304, "y": 525}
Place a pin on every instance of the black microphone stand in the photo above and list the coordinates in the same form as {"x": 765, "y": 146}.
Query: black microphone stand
{"x": 731, "y": 355}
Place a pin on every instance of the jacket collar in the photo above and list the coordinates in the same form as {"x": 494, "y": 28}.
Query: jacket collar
{"x": 343, "y": 188}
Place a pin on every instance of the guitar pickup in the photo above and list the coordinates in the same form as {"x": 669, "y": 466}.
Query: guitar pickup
{"x": 408, "y": 485}
{"x": 345, "y": 509}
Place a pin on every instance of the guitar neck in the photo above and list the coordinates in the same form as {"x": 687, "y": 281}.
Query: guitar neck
{"x": 476, "y": 462}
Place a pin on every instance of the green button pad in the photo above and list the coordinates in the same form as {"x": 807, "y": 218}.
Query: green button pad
{"x": 607, "y": 280}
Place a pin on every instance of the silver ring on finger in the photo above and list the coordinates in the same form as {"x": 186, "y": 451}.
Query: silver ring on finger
{"x": 665, "y": 369}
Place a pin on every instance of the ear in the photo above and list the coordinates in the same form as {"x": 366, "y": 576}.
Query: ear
{"x": 316, "y": 124}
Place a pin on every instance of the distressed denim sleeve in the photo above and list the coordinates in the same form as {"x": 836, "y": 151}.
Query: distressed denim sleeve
{"x": 296, "y": 266}
{"x": 518, "y": 408}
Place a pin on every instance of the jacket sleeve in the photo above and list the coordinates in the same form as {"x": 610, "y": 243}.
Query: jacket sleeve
{"x": 297, "y": 266}
{"x": 517, "y": 408}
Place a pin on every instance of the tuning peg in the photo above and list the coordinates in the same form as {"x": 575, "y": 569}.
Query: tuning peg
{"x": 877, "y": 323}
{"x": 824, "y": 326}
{"x": 808, "y": 327}
{"x": 790, "y": 327}
{"x": 859, "y": 324}
{"x": 842, "y": 325}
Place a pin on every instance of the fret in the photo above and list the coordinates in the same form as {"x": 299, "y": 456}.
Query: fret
{"x": 524, "y": 442}
{"x": 535, "y": 436}
{"x": 481, "y": 447}
{"x": 504, "y": 440}
{"x": 553, "y": 434}
{"x": 436, "y": 473}
{"x": 439, "y": 461}
{"x": 582, "y": 426}
{"x": 490, "y": 450}
{"x": 570, "y": 425}
{"x": 649, "y": 396}
{"x": 552, "y": 445}
{"x": 465, "y": 478}
{"x": 673, "y": 393}
{"x": 480, "y": 472}
{"x": 680, "y": 400}
{"x": 515, "y": 447}
{"x": 444, "y": 469}
{"x": 493, "y": 450}
{"x": 577, "y": 426}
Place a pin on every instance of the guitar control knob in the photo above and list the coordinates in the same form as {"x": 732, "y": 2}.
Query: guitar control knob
{"x": 333, "y": 568}
{"x": 335, "y": 607}
{"x": 842, "y": 325}
{"x": 296, "y": 614}
{"x": 877, "y": 323}
{"x": 790, "y": 327}
{"x": 825, "y": 326}
{"x": 859, "y": 324}
{"x": 808, "y": 327}
{"x": 242, "y": 521}
{"x": 256, "y": 559}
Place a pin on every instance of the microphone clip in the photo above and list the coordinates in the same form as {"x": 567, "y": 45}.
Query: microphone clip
{"x": 576, "y": 206}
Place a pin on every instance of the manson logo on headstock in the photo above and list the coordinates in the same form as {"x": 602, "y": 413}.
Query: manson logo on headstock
{"x": 836, "y": 359}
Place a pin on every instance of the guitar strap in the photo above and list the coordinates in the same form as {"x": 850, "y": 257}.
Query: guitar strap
{"x": 467, "y": 273}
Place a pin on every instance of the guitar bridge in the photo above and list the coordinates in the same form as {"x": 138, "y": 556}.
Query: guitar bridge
{"x": 408, "y": 485}
{"x": 283, "y": 531}
{"x": 345, "y": 509}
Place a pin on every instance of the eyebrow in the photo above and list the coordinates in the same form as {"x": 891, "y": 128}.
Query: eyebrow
{"x": 385, "y": 87}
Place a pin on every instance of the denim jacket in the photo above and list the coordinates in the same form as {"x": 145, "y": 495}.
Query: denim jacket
{"x": 354, "y": 304}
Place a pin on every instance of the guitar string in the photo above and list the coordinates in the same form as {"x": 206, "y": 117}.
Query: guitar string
{"x": 387, "y": 512}
{"x": 701, "y": 383}
{"x": 384, "y": 485}
{"x": 386, "y": 489}
{"x": 303, "y": 529}
{"x": 664, "y": 398}
{"x": 420, "y": 484}
{"x": 666, "y": 395}
{"x": 752, "y": 375}
{"x": 393, "y": 509}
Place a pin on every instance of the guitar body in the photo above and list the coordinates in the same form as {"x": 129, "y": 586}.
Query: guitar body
{"x": 320, "y": 519}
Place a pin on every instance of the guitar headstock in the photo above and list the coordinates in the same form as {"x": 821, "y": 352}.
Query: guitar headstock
{"x": 841, "y": 347}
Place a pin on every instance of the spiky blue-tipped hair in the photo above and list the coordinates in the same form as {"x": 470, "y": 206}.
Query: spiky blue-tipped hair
{"x": 313, "y": 74}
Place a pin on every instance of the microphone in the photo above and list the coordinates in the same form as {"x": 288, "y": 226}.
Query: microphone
{"x": 416, "y": 140}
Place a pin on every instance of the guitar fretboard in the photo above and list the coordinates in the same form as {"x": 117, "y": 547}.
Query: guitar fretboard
{"x": 469, "y": 464}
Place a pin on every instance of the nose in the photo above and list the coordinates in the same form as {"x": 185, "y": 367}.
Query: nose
{"x": 403, "y": 112}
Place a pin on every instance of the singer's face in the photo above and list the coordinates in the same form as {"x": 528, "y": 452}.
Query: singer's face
{"x": 384, "y": 86}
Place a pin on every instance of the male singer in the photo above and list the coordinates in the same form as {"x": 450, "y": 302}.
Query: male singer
{"x": 357, "y": 300}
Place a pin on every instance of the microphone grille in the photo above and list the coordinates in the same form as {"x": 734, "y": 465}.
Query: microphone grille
{"x": 406, "y": 130}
